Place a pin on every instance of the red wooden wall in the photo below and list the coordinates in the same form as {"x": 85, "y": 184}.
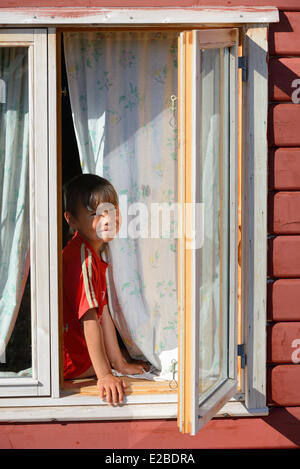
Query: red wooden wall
{"x": 279, "y": 430}
{"x": 281, "y": 4}
{"x": 284, "y": 212}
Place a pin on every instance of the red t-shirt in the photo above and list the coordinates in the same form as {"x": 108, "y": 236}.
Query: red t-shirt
{"x": 84, "y": 288}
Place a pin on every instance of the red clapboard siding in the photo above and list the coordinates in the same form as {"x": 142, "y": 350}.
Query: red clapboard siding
{"x": 284, "y": 256}
{"x": 284, "y": 169}
{"x": 284, "y": 125}
{"x": 284, "y": 37}
{"x": 284, "y": 342}
{"x": 284, "y": 300}
{"x": 284, "y": 385}
{"x": 284, "y": 79}
{"x": 284, "y": 212}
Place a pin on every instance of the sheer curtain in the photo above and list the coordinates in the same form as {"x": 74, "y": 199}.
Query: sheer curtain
{"x": 14, "y": 199}
{"x": 121, "y": 86}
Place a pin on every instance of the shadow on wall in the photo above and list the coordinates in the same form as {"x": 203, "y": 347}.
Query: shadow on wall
{"x": 284, "y": 422}
{"x": 284, "y": 70}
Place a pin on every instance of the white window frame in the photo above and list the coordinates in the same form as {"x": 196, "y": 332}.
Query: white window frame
{"x": 254, "y": 24}
{"x": 36, "y": 42}
{"x": 254, "y": 228}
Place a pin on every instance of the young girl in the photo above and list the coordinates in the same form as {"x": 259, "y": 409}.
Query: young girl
{"x": 90, "y": 341}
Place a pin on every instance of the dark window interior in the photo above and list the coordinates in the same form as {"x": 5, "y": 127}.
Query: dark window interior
{"x": 18, "y": 350}
{"x": 70, "y": 156}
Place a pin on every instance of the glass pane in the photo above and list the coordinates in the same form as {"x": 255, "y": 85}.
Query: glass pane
{"x": 15, "y": 300}
{"x": 214, "y": 194}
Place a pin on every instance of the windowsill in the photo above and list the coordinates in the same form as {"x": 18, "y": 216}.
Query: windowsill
{"x": 79, "y": 401}
{"x": 134, "y": 387}
{"x": 65, "y": 410}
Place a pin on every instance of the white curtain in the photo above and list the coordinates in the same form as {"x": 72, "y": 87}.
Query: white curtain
{"x": 14, "y": 198}
{"x": 121, "y": 84}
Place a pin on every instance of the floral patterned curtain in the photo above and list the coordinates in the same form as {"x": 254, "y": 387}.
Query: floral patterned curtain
{"x": 123, "y": 88}
{"x": 14, "y": 184}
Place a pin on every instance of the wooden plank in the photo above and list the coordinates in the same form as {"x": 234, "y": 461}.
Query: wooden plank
{"x": 284, "y": 300}
{"x": 133, "y": 386}
{"x": 284, "y": 385}
{"x": 284, "y": 256}
{"x": 284, "y": 169}
{"x": 284, "y": 79}
{"x": 284, "y": 124}
{"x": 282, "y": 4}
{"x": 284, "y": 342}
{"x": 210, "y": 39}
{"x": 106, "y": 16}
{"x": 284, "y": 37}
{"x": 284, "y": 212}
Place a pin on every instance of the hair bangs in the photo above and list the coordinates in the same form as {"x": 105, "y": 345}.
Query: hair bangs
{"x": 104, "y": 194}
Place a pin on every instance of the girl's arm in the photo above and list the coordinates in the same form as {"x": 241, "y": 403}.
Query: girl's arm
{"x": 114, "y": 354}
{"x": 107, "y": 382}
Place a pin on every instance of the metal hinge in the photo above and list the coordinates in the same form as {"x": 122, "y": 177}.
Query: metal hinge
{"x": 243, "y": 66}
{"x": 241, "y": 353}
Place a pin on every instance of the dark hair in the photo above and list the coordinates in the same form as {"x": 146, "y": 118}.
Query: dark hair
{"x": 88, "y": 190}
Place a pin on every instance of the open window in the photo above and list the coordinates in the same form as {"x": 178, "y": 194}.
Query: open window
{"x": 125, "y": 119}
{"x": 203, "y": 116}
{"x": 120, "y": 93}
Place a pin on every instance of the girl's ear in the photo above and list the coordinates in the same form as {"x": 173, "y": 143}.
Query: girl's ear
{"x": 70, "y": 219}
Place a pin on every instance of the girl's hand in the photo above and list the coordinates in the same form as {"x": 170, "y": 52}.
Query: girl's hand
{"x": 136, "y": 367}
{"x": 112, "y": 388}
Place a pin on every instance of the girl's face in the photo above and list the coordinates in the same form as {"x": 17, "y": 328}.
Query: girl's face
{"x": 101, "y": 225}
{"x": 108, "y": 221}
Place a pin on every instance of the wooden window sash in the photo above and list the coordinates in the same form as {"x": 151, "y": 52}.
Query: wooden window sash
{"x": 36, "y": 42}
{"x": 188, "y": 421}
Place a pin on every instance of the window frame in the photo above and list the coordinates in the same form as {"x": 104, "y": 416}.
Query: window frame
{"x": 36, "y": 42}
{"x": 192, "y": 415}
{"x": 254, "y": 250}
{"x": 254, "y": 207}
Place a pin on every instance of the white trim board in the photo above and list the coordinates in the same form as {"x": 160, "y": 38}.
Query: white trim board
{"x": 133, "y": 16}
{"x": 254, "y": 208}
{"x": 103, "y": 412}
